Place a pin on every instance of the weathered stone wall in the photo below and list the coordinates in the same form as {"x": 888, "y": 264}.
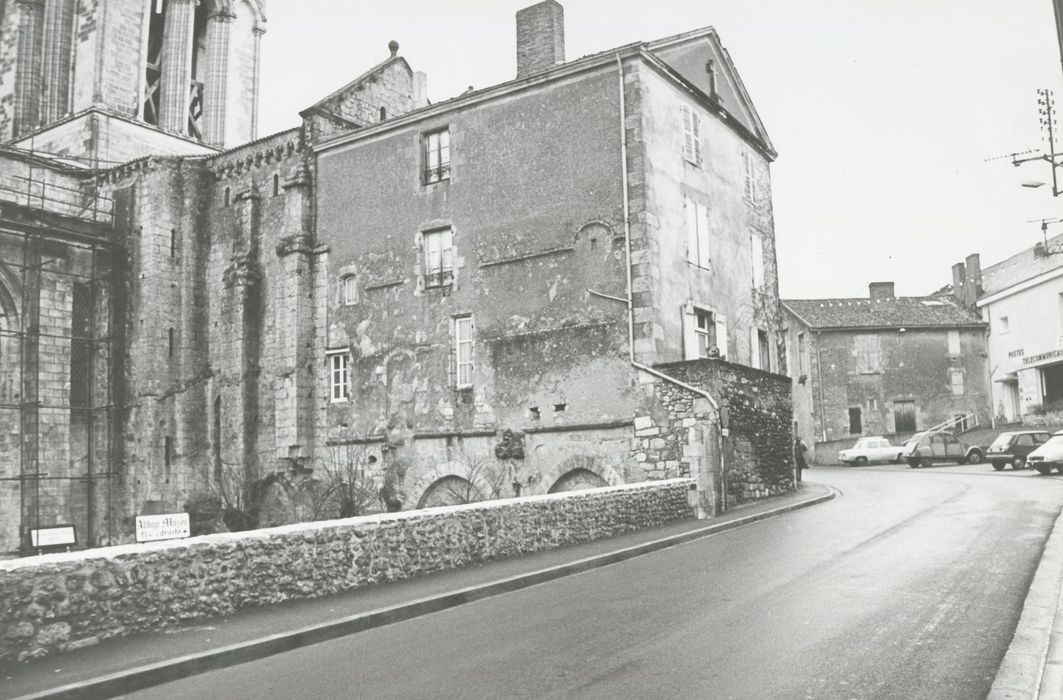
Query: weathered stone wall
{"x": 757, "y": 453}
{"x": 50, "y": 603}
{"x": 669, "y": 282}
{"x": 915, "y": 366}
{"x": 534, "y": 202}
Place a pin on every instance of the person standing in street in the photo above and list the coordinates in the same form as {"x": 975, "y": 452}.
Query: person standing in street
{"x": 799, "y": 456}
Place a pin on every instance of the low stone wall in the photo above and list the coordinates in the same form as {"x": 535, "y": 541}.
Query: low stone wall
{"x": 61, "y": 601}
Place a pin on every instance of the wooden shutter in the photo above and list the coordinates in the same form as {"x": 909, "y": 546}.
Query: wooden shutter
{"x": 721, "y": 335}
{"x": 690, "y": 334}
{"x": 691, "y": 211}
{"x": 702, "y": 218}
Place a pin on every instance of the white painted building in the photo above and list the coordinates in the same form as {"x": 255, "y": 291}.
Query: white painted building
{"x": 1022, "y": 301}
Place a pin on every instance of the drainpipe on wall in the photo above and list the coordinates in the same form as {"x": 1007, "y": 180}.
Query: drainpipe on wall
{"x": 819, "y": 374}
{"x": 722, "y": 504}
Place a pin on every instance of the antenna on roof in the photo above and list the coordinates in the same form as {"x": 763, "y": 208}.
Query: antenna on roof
{"x": 1041, "y": 249}
{"x": 1011, "y": 156}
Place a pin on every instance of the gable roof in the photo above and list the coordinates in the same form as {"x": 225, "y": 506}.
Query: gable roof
{"x": 901, "y": 312}
{"x": 731, "y": 94}
{"x": 325, "y": 103}
{"x": 756, "y": 135}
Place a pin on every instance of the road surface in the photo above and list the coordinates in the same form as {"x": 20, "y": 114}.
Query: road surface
{"x": 908, "y": 585}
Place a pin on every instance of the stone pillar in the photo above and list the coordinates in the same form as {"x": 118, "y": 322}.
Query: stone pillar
{"x": 58, "y": 36}
{"x": 28, "y": 69}
{"x": 176, "y": 80}
{"x": 216, "y": 76}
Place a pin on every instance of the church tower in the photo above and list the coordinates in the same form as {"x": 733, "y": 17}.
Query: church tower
{"x": 114, "y": 80}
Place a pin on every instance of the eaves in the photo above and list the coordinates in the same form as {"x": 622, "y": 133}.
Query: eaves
{"x": 1020, "y": 287}
{"x": 584, "y": 65}
{"x": 897, "y": 327}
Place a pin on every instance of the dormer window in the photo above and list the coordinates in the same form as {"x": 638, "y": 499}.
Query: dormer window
{"x": 436, "y": 148}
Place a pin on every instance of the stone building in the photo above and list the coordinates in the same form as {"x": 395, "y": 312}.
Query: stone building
{"x": 436, "y": 294}
{"x": 1021, "y": 301}
{"x": 884, "y": 365}
{"x": 478, "y": 281}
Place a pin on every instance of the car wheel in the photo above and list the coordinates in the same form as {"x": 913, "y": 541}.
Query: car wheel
{"x": 1018, "y": 463}
{"x": 974, "y": 457}
{"x": 999, "y": 466}
{"x": 915, "y": 463}
{"x": 860, "y": 461}
{"x": 1043, "y": 470}
{"x": 1059, "y": 469}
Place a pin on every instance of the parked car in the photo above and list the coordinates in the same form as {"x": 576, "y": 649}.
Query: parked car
{"x": 871, "y": 449}
{"x": 928, "y": 447}
{"x": 1048, "y": 456}
{"x": 1012, "y": 448}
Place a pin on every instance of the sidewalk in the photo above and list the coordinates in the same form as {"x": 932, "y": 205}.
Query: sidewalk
{"x": 1032, "y": 667}
{"x": 129, "y": 663}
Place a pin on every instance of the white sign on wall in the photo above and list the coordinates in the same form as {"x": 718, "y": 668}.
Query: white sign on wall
{"x": 170, "y": 526}
{"x": 57, "y": 536}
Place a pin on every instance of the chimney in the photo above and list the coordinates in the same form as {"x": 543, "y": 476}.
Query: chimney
{"x": 540, "y": 37}
{"x": 972, "y": 287}
{"x": 958, "y": 275}
{"x": 881, "y": 291}
{"x": 420, "y": 89}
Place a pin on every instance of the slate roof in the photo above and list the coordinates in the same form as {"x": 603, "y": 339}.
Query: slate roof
{"x": 906, "y": 312}
{"x": 1021, "y": 266}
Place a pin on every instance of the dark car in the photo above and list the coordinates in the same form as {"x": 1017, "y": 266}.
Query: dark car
{"x": 1013, "y": 447}
{"x": 923, "y": 449}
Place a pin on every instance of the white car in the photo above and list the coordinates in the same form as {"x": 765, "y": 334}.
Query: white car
{"x": 1048, "y": 456}
{"x": 871, "y": 449}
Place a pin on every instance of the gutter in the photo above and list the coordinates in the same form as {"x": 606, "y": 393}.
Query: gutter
{"x": 722, "y": 505}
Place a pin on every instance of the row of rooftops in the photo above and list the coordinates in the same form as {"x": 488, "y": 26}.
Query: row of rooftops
{"x": 952, "y": 306}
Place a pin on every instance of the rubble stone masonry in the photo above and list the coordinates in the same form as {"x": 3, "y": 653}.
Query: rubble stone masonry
{"x": 62, "y": 601}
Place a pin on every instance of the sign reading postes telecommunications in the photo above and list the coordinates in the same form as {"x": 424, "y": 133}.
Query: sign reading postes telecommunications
{"x": 171, "y": 526}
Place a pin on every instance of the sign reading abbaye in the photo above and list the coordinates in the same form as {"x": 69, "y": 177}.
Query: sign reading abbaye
{"x": 169, "y": 526}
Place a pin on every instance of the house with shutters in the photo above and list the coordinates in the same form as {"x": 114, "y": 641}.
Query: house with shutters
{"x": 581, "y": 259}
{"x": 884, "y": 365}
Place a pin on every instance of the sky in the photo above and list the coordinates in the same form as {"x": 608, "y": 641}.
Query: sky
{"x": 888, "y": 115}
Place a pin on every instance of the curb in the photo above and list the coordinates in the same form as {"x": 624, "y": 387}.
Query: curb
{"x": 1031, "y": 667}
{"x": 149, "y": 675}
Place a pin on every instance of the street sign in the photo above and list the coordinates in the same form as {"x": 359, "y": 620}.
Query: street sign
{"x": 170, "y": 526}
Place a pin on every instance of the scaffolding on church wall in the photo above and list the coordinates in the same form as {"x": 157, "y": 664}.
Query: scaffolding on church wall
{"x": 57, "y": 416}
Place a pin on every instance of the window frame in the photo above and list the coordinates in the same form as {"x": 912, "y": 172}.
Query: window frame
{"x": 751, "y": 186}
{"x": 756, "y": 254}
{"x": 705, "y": 335}
{"x": 464, "y": 367}
{"x": 339, "y": 375}
{"x": 440, "y": 171}
{"x": 957, "y": 382}
{"x": 868, "y": 359}
{"x": 441, "y": 274}
{"x": 349, "y": 289}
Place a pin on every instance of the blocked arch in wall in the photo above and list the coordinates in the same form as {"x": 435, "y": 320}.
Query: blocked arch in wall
{"x": 581, "y": 472}
{"x": 447, "y": 483}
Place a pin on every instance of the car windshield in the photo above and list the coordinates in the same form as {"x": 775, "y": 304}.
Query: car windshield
{"x": 1002, "y": 440}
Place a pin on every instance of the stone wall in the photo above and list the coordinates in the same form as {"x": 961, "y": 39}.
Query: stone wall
{"x": 757, "y": 452}
{"x": 59, "y": 601}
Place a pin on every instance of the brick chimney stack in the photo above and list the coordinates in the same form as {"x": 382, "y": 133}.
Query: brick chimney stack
{"x": 959, "y": 276}
{"x": 881, "y": 292}
{"x": 540, "y": 37}
{"x": 972, "y": 283}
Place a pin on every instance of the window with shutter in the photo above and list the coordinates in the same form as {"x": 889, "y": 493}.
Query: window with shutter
{"x": 691, "y": 135}
{"x": 698, "y": 246}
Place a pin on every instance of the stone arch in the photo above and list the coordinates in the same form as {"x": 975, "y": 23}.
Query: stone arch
{"x": 581, "y": 467}
{"x": 453, "y": 479}
{"x": 577, "y": 480}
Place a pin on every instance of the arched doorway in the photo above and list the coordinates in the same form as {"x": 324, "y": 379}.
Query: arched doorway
{"x": 450, "y": 491}
{"x": 578, "y": 480}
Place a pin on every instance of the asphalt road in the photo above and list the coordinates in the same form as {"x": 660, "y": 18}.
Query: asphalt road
{"x": 909, "y": 585}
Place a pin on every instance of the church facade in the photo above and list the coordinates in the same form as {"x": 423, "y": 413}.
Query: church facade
{"x": 195, "y": 309}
